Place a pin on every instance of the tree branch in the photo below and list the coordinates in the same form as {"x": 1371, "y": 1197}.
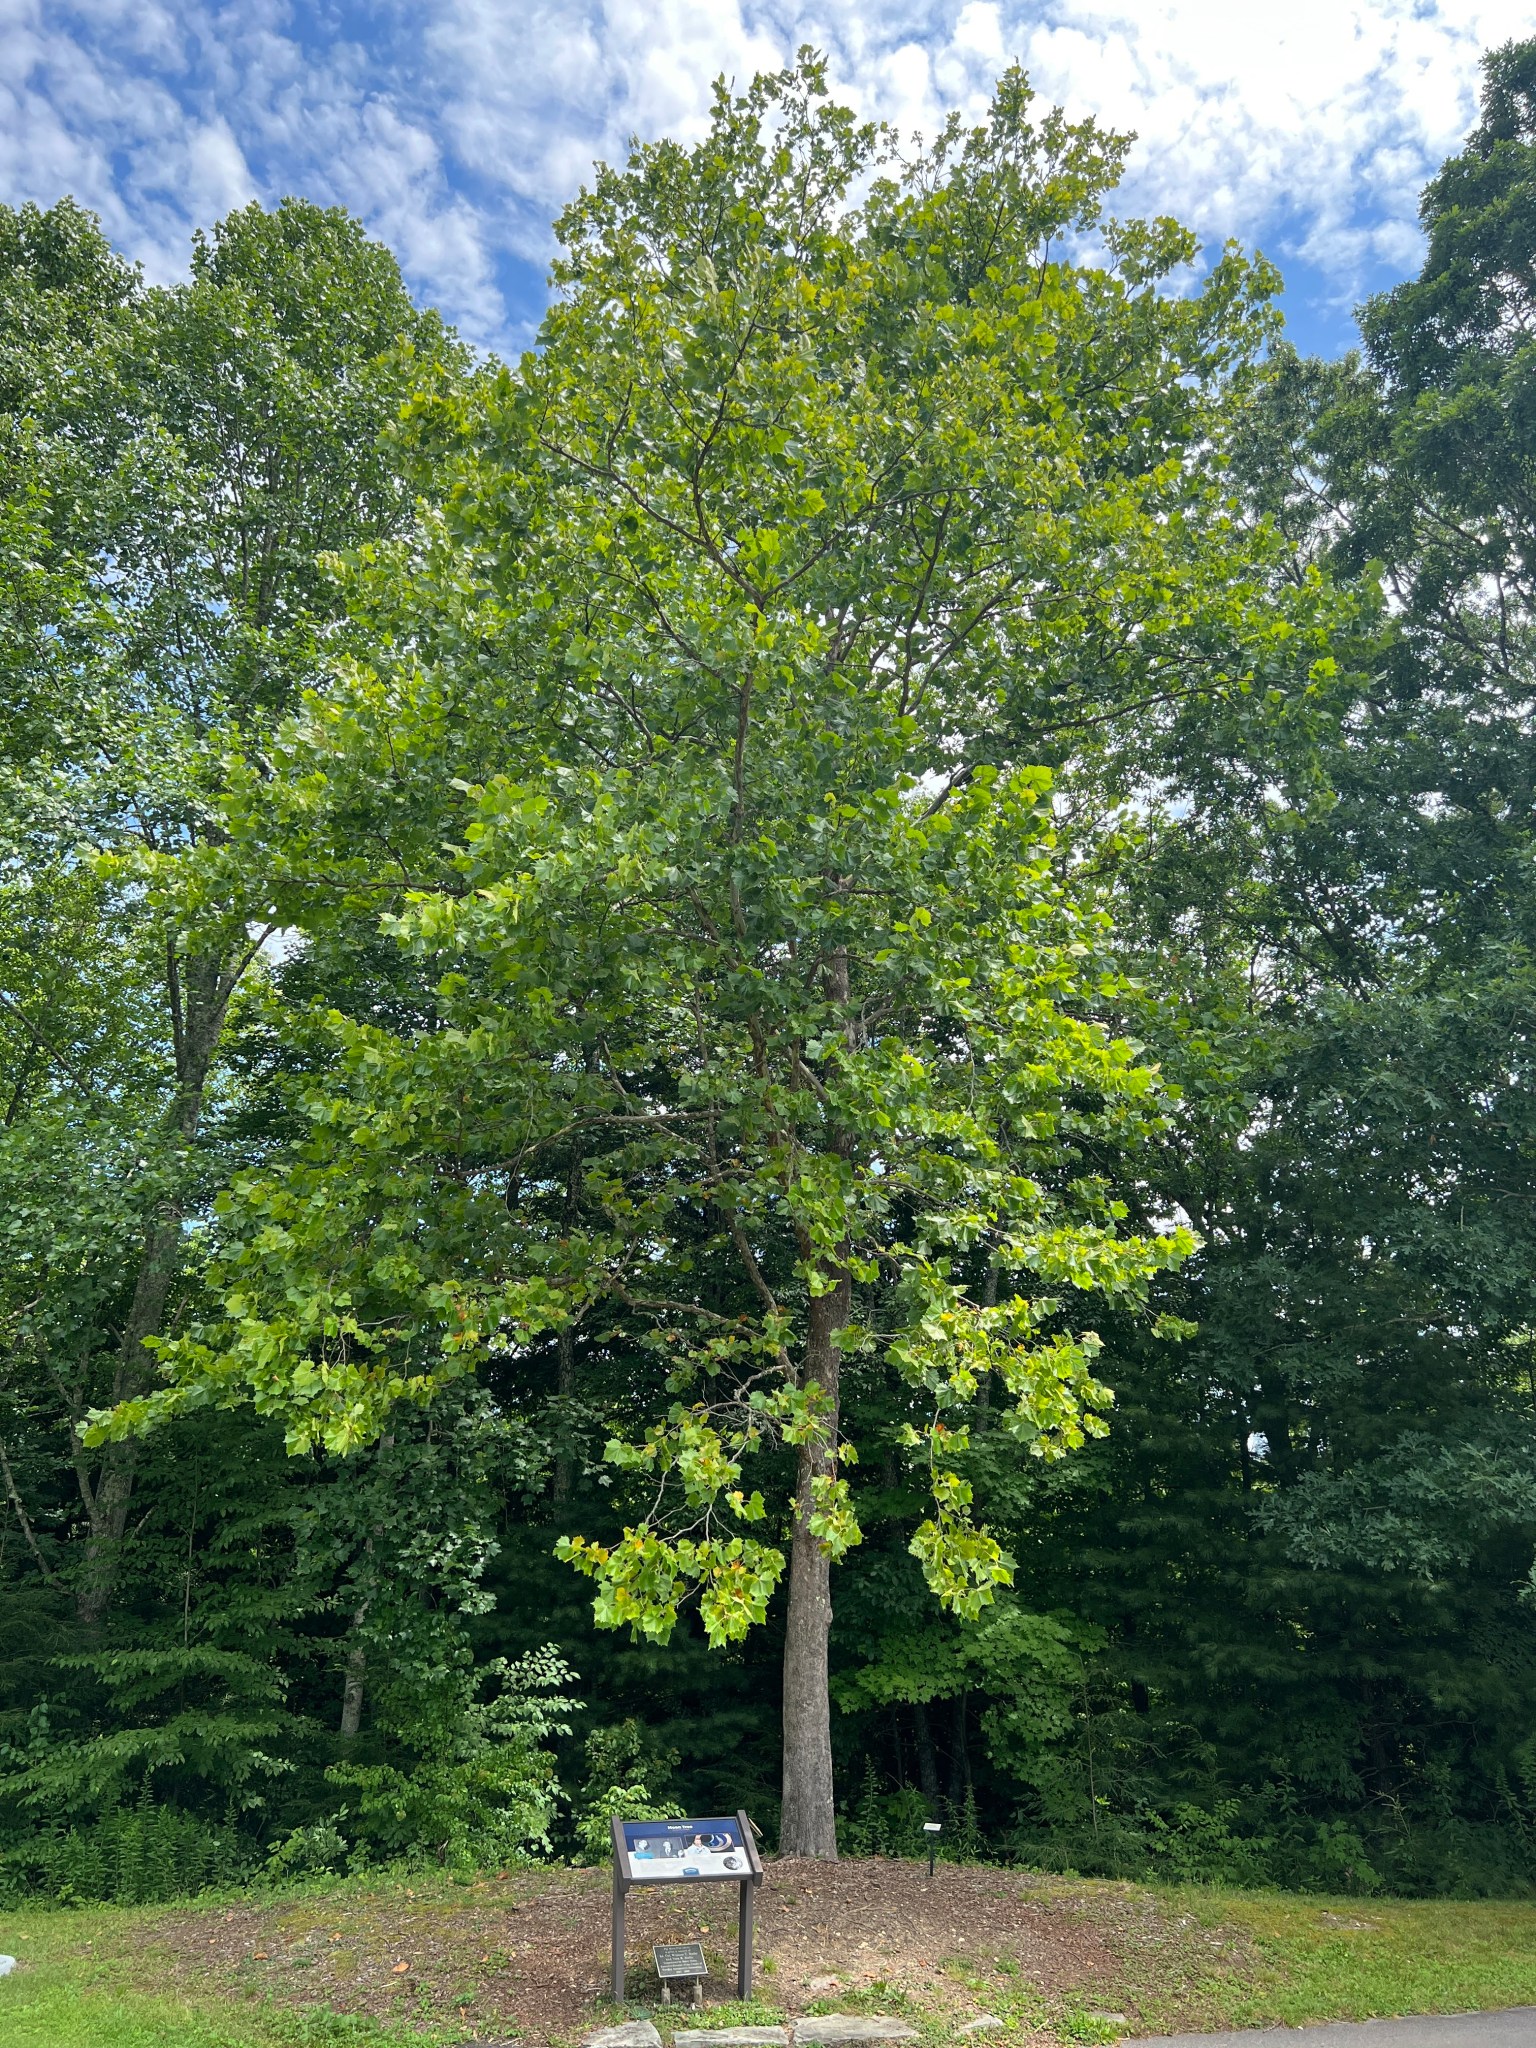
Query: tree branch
{"x": 51, "y": 1577}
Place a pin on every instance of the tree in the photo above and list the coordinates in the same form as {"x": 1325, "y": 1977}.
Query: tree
{"x": 829, "y": 567}
{"x": 1336, "y": 1474}
{"x": 1420, "y": 467}
{"x": 758, "y": 1024}
{"x": 177, "y": 462}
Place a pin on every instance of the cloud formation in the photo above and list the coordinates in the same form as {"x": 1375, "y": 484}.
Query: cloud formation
{"x": 456, "y": 128}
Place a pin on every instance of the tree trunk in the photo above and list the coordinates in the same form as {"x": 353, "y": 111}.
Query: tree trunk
{"x": 112, "y": 1495}
{"x": 927, "y": 1762}
{"x": 352, "y": 1688}
{"x": 565, "y": 1388}
{"x": 198, "y": 993}
{"x": 959, "y": 1757}
{"x": 563, "y": 1476}
{"x": 809, "y": 1824}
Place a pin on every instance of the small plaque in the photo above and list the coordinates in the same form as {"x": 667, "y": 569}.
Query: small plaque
{"x": 679, "y": 1960}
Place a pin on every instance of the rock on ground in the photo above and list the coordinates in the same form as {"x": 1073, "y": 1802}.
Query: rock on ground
{"x": 833, "y": 2029}
{"x": 825, "y": 2030}
{"x": 732, "y": 2037}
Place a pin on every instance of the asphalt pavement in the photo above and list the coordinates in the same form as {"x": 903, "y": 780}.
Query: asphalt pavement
{"x": 1513, "y": 2029}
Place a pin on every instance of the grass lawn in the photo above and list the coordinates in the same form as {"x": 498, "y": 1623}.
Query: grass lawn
{"x": 1364, "y": 1959}
{"x": 86, "y": 1982}
{"x": 365, "y": 1963}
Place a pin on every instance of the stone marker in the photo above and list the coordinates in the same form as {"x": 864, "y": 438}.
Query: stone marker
{"x": 633, "y": 2034}
{"x": 732, "y": 2037}
{"x": 834, "y": 2029}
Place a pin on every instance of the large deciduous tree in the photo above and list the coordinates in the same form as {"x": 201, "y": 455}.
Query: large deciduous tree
{"x": 765, "y": 1039}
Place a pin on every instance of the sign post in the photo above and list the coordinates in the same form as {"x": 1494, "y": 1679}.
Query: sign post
{"x": 744, "y": 1938}
{"x": 712, "y": 1851}
{"x": 619, "y": 1889}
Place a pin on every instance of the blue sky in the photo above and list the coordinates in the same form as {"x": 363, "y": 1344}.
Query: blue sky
{"x": 457, "y": 128}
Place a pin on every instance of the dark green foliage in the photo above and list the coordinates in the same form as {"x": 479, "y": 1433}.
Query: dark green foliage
{"x": 130, "y": 1856}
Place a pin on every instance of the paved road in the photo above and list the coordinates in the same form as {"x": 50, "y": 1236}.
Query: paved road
{"x": 1514, "y": 2029}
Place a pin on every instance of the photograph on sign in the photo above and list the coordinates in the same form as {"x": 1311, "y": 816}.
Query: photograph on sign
{"x": 660, "y": 1849}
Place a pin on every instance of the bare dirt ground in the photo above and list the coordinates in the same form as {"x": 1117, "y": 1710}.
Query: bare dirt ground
{"x": 526, "y": 1954}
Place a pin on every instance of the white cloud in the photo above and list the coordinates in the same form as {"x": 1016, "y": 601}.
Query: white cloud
{"x": 530, "y": 96}
{"x": 1315, "y": 123}
{"x": 457, "y": 127}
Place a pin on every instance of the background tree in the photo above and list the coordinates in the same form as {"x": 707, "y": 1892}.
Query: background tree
{"x": 175, "y": 465}
{"x": 186, "y": 457}
{"x": 1336, "y": 1473}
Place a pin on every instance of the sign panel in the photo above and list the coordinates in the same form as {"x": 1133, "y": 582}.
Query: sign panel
{"x": 657, "y": 1850}
{"x": 718, "y": 1850}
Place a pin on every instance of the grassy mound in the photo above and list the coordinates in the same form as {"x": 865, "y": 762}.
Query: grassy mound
{"x": 431, "y": 1960}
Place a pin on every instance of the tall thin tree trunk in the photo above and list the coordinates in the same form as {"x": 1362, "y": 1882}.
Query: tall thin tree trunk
{"x": 112, "y": 1494}
{"x": 565, "y": 1360}
{"x": 959, "y": 1758}
{"x": 198, "y": 993}
{"x": 809, "y": 1824}
{"x": 565, "y": 1387}
{"x": 355, "y": 1670}
{"x": 927, "y": 1762}
{"x": 352, "y": 1683}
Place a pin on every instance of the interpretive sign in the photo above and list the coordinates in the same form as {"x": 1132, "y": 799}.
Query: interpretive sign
{"x": 716, "y": 1850}
{"x": 659, "y": 1850}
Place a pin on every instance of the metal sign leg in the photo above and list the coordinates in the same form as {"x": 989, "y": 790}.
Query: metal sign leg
{"x": 618, "y": 1939}
{"x": 744, "y": 1942}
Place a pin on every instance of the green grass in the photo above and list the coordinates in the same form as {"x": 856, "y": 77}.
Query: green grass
{"x": 41, "y": 2014}
{"x": 38, "y": 2013}
{"x": 1399, "y": 1956}
{"x": 44, "y": 2015}
{"x": 1202, "y": 1958}
{"x": 78, "y": 1990}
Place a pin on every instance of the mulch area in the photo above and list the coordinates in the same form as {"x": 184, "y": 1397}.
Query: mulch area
{"x": 527, "y": 1953}
{"x": 878, "y": 1922}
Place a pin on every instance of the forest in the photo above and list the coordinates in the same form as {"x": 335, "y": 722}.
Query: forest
{"x": 783, "y": 1060}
